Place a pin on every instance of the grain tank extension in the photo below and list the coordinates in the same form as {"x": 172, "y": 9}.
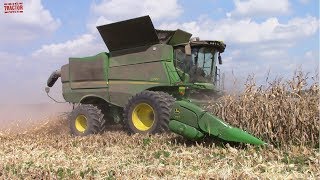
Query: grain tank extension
{"x": 149, "y": 81}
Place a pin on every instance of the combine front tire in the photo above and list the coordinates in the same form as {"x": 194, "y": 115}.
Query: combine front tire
{"x": 86, "y": 119}
{"x": 148, "y": 112}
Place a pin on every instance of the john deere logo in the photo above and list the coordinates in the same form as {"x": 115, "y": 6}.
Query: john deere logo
{"x": 177, "y": 111}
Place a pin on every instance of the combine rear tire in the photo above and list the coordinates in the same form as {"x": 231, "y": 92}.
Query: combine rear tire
{"x": 148, "y": 112}
{"x": 86, "y": 119}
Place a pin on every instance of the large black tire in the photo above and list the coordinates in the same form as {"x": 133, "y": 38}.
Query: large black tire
{"x": 86, "y": 119}
{"x": 153, "y": 106}
{"x": 167, "y": 97}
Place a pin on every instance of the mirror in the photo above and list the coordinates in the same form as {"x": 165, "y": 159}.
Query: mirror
{"x": 47, "y": 89}
{"x": 220, "y": 59}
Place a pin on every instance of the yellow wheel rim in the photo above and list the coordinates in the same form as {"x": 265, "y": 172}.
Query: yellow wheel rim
{"x": 81, "y": 123}
{"x": 143, "y": 116}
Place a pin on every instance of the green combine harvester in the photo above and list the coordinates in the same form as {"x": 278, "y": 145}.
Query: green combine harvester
{"x": 151, "y": 81}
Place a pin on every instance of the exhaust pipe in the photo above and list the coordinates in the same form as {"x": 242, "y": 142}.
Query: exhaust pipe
{"x": 53, "y": 78}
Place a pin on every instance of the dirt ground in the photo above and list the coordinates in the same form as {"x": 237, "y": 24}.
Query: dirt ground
{"x": 45, "y": 150}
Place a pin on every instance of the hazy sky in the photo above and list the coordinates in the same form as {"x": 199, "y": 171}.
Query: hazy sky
{"x": 261, "y": 35}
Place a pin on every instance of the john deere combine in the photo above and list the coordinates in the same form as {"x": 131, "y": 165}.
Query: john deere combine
{"x": 149, "y": 81}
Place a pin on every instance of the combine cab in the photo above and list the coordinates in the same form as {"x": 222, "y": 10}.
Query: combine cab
{"x": 149, "y": 82}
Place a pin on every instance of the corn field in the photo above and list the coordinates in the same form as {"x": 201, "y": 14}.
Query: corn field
{"x": 285, "y": 112}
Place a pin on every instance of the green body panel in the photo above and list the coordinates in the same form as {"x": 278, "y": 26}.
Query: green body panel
{"x": 150, "y": 72}
{"x": 171, "y": 73}
{"x": 185, "y": 130}
{"x": 86, "y": 84}
{"x": 144, "y": 54}
{"x": 144, "y": 68}
{"x": 238, "y": 135}
{"x": 179, "y": 37}
{"x": 193, "y": 116}
{"x": 115, "y": 79}
{"x": 76, "y": 96}
{"x": 186, "y": 113}
{"x": 204, "y": 86}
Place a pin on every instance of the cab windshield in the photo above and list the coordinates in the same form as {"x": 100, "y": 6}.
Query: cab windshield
{"x": 200, "y": 66}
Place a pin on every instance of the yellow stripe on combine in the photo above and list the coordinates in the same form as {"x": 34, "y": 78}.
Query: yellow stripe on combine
{"x": 84, "y": 84}
{"x": 132, "y": 82}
